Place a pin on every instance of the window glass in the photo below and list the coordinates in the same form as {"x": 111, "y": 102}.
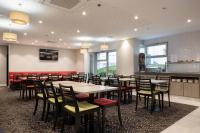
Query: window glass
{"x": 142, "y": 50}
{"x": 156, "y": 62}
{"x": 156, "y": 50}
{"x": 106, "y": 65}
{"x": 101, "y": 56}
{"x": 112, "y": 62}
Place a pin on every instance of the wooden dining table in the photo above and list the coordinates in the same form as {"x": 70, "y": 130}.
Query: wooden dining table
{"x": 80, "y": 87}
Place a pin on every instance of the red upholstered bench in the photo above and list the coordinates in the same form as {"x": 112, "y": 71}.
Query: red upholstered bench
{"x": 13, "y": 80}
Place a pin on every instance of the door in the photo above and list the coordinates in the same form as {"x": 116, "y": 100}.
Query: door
{"x": 3, "y": 65}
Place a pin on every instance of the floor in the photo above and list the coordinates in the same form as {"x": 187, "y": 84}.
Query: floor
{"x": 189, "y": 123}
{"x": 16, "y": 116}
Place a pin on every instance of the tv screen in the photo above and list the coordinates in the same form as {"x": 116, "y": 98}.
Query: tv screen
{"x": 48, "y": 54}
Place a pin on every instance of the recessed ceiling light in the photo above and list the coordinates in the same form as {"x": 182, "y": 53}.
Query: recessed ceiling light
{"x": 60, "y": 39}
{"x": 32, "y": 43}
{"x": 25, "y": 34}
{"x": 136, "y": 17}
{"x": 135, "y": 29}
{"x": 36, "y": 41}
{"x": 52, "y": 32}
{"x": 84, "y": 13}
{"x": 78, "y": 31}
{"x": 189, "y": 20}
{"x": 40, "y": 21}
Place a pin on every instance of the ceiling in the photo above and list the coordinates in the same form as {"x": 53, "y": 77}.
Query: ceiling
{"x": 113, "y": 20}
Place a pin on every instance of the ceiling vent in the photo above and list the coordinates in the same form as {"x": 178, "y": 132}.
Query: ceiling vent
{"x": 68, "y": 4}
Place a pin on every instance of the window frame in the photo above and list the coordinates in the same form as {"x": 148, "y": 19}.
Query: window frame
{"x": 107, "y": 59}
{"x": 156, "y": 56}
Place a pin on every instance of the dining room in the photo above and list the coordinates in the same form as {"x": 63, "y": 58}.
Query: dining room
{"x": 99, "y": 66}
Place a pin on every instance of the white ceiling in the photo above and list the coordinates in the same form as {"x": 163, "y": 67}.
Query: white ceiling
{"x": 114, "y": 20}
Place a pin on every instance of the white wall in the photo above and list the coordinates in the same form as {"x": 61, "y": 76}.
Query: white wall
{"x": 3, "y": 65}
{"x": 26, "y": 58}
{"x": 185, "y": 46}
{"x": 125, "y": 55}
{"x": 79, "y": 61}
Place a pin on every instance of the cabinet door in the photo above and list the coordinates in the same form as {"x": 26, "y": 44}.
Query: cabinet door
{"x": 176, "y": 88}
{"x": 191, "y": 90}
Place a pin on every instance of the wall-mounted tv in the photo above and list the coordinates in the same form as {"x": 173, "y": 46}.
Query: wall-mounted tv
{"x": 48, "y": 54}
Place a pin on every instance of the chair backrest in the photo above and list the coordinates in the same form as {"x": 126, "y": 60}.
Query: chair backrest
{"x": 145, "y": 85}
{"x": 32, "y": 77}
{"x": 50, "y": 90}
{"x": 167, "y": 84}
{"x": 82, "y": 77}
{"x": 114, "y": 81}
{"x": 68, "y": 96}
{"x": 53, "y": 77}
{"x": 39, "y": 88}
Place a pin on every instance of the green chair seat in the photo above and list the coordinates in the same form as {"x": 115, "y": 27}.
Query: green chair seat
{"x": 162, "y": 89}
{"x": 83, "y": 106}
{"x": 53, "y": 100}
{"x": 147, "y": 92}
{"x": 40, "y": 95}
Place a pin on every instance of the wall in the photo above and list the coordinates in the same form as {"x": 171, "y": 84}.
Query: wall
{"x": 79, "y": 61}
{"x": 126, "y": 54}
{"x": 185, "y": 46}
{"x": 26, "y": 58}
{"x": 3, "y": 65}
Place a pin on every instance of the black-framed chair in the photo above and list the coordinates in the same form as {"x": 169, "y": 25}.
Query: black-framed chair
{"x": 146, "y": 89}
{"x": 76, "y": 109}
{"x": 106, "y": 103}
{"x": 54, "y": 99}
{"x": 164, "y": 88}
{"x": 40, "y": 94}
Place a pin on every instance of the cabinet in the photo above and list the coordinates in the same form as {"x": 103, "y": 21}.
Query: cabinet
{"x": 176, "y": 88}
{"x": 191, "y": 90}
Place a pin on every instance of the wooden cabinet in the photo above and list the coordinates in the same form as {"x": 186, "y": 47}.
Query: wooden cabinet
{"x": 176, "y": 88}
{"x": 191, "y": 90}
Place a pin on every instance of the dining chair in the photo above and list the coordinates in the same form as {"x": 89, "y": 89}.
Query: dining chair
{"x": 27, "y": 87}
{"x": 145, "y": 88}
{"x": 72, "y": 107}
{"x": 40, "y": 94}
{"x": 164, "y": 88}
{"x": 106, "y": 103}
{"x": 54, "y": 99}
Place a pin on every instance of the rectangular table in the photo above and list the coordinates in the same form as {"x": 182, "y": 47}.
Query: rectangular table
{"x": 91, "y": 89}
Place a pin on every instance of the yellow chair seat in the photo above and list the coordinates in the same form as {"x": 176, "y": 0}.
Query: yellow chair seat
{"x": 40, "y": 95}
{"x": 147, "y": 92}
{"x": 83, "y": 106}
{"x": 53, "y": 100}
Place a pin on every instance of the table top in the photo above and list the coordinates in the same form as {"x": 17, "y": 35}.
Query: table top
{"x": 84, "y": 87}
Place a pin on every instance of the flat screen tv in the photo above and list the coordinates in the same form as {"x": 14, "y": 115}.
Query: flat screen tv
{"x": 48, "y": 54}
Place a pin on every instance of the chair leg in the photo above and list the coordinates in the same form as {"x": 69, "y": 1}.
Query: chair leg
{"x": 169, "y": 99}
{"x": 136, "y": 102}
{"x": 152, "y": 103}
{"x": 77, "y": 124}
{"x": 98, "y": 119}
{"x": 162, "y": 95}
{"x": 63, "y": 123}
{"x": 36, "y": 105}
{"x": 147, "y": 102}
{"x": 103, "y": 120}
{"x": 48, "y": 107}
{"x": 55, "y": 116}
{"x": 119, "y": 115}
{"x": 159, "y": 101}
{"x": 44, "y": 108}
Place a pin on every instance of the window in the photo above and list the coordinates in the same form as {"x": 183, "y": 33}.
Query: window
{"x": 106, "y": 62}
{"x": 156, "y": 56}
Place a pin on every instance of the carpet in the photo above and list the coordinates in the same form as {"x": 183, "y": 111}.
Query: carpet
{"x": 16, "y": 117}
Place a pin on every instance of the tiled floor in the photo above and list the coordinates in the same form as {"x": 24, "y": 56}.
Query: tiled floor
{"x": 191, "y": 122}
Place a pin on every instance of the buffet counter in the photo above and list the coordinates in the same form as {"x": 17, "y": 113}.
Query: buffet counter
{"x": 182, "y": 84}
